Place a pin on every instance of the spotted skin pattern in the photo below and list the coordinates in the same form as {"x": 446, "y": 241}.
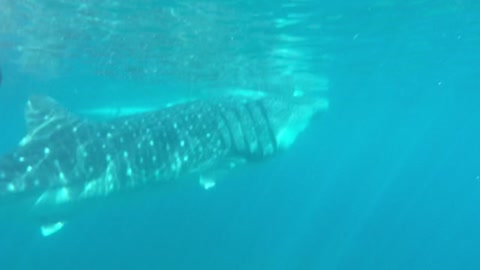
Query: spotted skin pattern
{"x": 65, "y": 158}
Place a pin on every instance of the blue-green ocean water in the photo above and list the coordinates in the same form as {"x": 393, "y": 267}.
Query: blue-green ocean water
{"x": 388, "y": 178}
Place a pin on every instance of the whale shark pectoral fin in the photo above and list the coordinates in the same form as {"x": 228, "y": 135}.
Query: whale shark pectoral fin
{"x": 51, "y": 228}
{"x": 207, "y": 182}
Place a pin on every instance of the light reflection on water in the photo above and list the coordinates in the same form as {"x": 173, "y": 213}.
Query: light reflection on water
{"x": 215, "y": 44}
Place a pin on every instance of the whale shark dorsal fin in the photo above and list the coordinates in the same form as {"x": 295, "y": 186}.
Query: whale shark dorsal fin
{"x": 43, "y": 116}
{"x": 42, "y": 109}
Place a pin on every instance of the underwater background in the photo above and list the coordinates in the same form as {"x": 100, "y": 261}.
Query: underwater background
{"x": 388, "y": 178}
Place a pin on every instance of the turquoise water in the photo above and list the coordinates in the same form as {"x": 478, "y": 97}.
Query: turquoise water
{"x": 388, "y": 178}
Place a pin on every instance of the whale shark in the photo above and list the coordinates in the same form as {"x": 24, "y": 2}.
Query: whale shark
{"x": 67, "y": 160}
